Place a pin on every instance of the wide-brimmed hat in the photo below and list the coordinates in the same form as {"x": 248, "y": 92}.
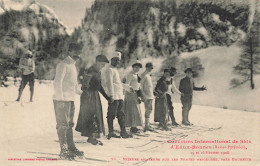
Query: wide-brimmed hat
{"x": 189, "y": 70}
{"x": 137, "y": 63}
{"x": 102, "y": 58}
{"x": 149, "y": 64}
{"x": 173, "y": 71}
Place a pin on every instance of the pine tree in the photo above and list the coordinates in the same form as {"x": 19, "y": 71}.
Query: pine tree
{"x": 249, "y": 63}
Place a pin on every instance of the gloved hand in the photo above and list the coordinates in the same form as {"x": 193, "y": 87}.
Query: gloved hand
{"x": 203, "y": 88}
{"x": 139, "y": 100}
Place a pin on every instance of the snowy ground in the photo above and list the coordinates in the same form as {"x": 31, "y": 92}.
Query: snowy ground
{"x": 218, "y": 63}
{"x": 28, "y": 132}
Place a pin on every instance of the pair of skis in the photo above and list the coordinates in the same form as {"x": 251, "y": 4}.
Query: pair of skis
{"x": 50, "y": 156}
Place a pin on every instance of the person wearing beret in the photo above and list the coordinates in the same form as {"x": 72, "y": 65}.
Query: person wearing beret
{"x": 161, "y": 112}
{"x": 90, "y": 119}
{"x": 132, "y": 101}
{"x": 27, "y": 65}
{"x": 114, "y": 87}
{"x": 65, "y": 88}
{"x": 186, "y": 87}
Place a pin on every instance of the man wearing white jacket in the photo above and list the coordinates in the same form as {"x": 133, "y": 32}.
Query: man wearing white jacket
{"x": 27, "y": 65}
{"x": 113, "y": 87}
{"x": 147, "y": 92}
{"x": 65, "y": 88}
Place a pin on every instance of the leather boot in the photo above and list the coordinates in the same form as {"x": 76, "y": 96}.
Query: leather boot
{"x": 164, "y": 126}
{"x": 19, "y": 95}
{"x": 121, "y": 121}
{"x": 111, "y": 129}
{"x": 70, "y": 141}
{"x": 31, "y": 95}
{"x": 171, "y": 115}
{"x": 61, "y": 131}
{"x": 174, "y": 123}
{"x": 110, "y": 124}
{"x": 147, "y": 125}
{"x": 146, "y": 122}
{"x": 188, "y": 112}
{"x": 183, "y": 116}
{"x": 112, "y": 134}
{"x": 123, "y": 134}
{"x": 64, "y": 152}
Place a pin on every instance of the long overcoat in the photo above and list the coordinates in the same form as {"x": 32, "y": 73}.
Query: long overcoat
{"x": 90, "y": 119}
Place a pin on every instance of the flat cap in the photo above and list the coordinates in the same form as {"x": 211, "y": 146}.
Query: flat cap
{"x": 102, "y": 58}
{"x": 188, "y": 70}
{"x": 149, "y": 64}
{"x": 137, "y": 63}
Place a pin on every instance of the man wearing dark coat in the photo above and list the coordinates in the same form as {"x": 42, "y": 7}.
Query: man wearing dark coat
{"x": 186, "y": 87}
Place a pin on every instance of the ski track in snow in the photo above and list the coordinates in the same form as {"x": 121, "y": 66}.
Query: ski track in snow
{"x": 29, "y": 131}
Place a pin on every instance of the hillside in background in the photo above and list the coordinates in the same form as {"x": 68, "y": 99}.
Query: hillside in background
{"x": 162, "y": 28}
{"x": 203, "y": 35}
{"x": 218, "y": 62}
{"x": 139, "y": 29}
{"x": 32, "y": 26}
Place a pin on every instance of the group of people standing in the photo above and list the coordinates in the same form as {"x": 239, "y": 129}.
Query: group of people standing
{"x": 164, "y": 89}
{"x": 124, "y": 98}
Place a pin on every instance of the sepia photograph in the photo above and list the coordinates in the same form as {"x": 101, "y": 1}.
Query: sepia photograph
{"x": 130, "y": 82}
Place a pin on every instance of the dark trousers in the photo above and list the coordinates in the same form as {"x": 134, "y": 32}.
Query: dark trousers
{"x": 64, "y": 113}
{"x": 115, "y": 109}
{"x": 170, "y": 107}
{"x": 25, "y": 79}
{"x": 186, "y": 101}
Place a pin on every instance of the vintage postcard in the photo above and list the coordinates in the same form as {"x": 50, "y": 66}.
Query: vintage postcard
{"x": 130, "y": 82}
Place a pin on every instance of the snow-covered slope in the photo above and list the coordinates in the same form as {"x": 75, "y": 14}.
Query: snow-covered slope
{"x": 15, "y": 4}
{"x": 39, "y": 9}
{"x": 29, "y": 25}
{"x": 218, "y": 63}
{"x": 29, "y": 133}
